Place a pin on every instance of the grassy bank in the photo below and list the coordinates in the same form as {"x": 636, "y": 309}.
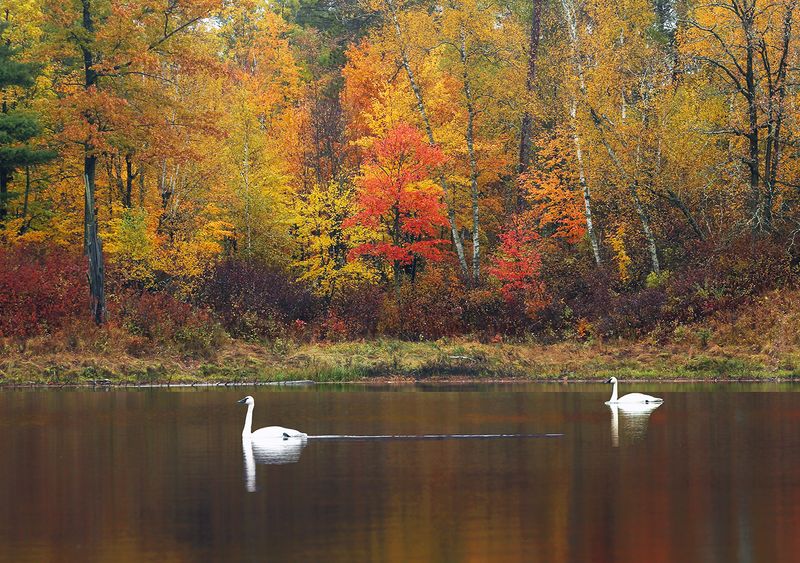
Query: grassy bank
{"x": 391, "y": 360}
{"x": 760, "y": 341}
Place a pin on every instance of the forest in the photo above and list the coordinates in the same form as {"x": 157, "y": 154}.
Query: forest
{"x": 177, "y": 174}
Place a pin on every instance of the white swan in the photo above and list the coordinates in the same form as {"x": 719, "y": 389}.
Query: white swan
{"x": 268, "y": 432}
{"x": 630, "y": 397}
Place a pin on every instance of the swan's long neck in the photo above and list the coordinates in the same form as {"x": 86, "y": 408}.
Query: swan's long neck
{"x": 613, "y": 394}
{"x": 248, "y": 421}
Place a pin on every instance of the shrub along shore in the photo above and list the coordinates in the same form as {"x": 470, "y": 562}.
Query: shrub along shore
{"x": 383, "y": 361}
{"x": 251, "y": 324}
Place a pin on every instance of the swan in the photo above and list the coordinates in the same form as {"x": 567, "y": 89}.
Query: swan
{"x": 630, "y": 397}
{"x": 268, "y": 432}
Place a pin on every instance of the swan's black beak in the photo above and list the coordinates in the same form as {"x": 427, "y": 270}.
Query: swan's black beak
{"x": 242, "y": 400}
{"x": 607, "y": 381}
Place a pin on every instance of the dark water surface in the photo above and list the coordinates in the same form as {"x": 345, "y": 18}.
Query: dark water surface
{"x": 159, "y": 475}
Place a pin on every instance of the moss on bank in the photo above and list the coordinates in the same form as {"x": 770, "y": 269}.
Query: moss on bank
{"x": 394, "y": 360}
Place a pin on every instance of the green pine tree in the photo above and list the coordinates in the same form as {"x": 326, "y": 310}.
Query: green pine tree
{"x": 18, "y": 128}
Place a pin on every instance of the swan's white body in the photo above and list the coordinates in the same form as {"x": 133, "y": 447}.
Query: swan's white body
{"x": 268, "y": 432}
{"x": 630, "y": 398}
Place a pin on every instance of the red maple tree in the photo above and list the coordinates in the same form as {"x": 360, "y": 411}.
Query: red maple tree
{"x": 399, "y": 202}
{"x": 518, "y": 267}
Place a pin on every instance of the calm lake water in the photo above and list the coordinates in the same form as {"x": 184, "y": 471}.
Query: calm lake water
{"x": 713, "y": 474}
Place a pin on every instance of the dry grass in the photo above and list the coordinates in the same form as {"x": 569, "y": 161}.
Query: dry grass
{"x": 760, "y": 340}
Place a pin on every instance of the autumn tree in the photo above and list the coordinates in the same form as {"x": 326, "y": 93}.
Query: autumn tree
{"x": 261, "y": 91}
{"x": 517, "y": 265}
{"x": 401, "y": 49}
{"x": 399, "y": 203}
{"x": 749, "y": 49}
{"x": 620, "y": 94}
{"x": 325, "y": 243}
{"x": 480, "y": 49}
{"x": 577, "y": 94}
{"x": 552, "y": 191}
{"x": 112, "y": 40}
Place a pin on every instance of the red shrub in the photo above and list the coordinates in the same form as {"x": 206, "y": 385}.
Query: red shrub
{"x": 41, "y": 288}
{"x": 254, "y": 300}
{"x": 429, "y": 308}
{"x": 162, "y": 319}
{"x": 353, "y": 313}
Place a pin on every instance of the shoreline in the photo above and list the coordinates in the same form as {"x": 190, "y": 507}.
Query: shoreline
{"x": 383, "y": 362}
{"x": 377, "y": 383}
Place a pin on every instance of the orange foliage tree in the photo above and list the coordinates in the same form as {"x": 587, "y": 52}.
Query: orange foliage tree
{"x": 399, "y": 203}
{"x": 553, "y": 191}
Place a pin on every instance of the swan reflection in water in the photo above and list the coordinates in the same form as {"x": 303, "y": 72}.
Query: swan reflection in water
{"x": 269, "y": 451}
{"x": 634, "y": 418}
{"x": 272, "y": 445}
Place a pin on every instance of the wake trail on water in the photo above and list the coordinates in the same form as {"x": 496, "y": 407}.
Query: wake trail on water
{"x": 429, "y": 436}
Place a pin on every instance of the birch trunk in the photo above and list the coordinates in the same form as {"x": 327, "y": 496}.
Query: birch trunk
{"x": 451, "y": 214}
{"x": 587, "y": 196}
{"x": 473, "y": 165}
{"x": 633, "y": 187}
{"x": 572, "y": 28}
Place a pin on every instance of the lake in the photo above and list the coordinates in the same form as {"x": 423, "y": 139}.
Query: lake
{"x": 122, "y": 475}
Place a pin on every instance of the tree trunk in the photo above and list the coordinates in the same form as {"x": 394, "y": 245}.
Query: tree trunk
{"x": 747, "y": 16}
{"x": 473, "y": 165}
{"x": 648, "y": 233}
{"x": 91, "y": 243}
{"x": 94, "y": 250}
{"x": 451, "y": 213}
{"x": 164, "y": 186}
{"x": 526, "y": 129}
{"x": 633, "y": 186}
{"x": 776, "y": 109}
{"x": 572, "y": 28}
{"x": 675, "y": 200}
{"x": 127, "y": 199}
{"x": 587, "y": 196}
